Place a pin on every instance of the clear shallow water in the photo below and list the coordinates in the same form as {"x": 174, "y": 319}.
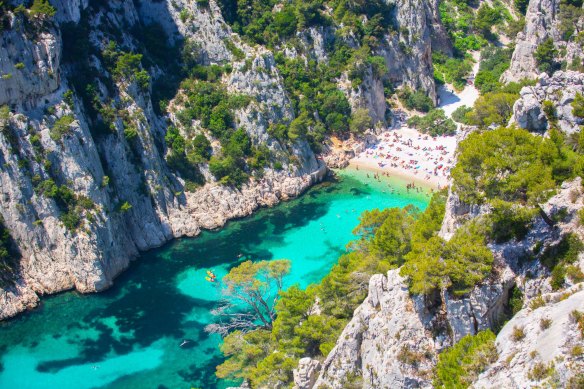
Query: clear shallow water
{"x": 129, "y": 335}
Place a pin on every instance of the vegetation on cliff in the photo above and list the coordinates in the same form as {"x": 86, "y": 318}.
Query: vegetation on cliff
{"x": 460, "y": 365}
{"x": 308, "y": 322}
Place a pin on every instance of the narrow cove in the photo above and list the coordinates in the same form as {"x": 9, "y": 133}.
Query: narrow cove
{"x": 129, "y": 335}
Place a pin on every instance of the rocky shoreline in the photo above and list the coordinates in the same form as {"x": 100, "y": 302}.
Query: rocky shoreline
{"x": 194, "y": 217}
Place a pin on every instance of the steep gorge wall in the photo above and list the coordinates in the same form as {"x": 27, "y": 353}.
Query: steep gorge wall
{"x": 542, "y": 22}
{"x": 394, "y": 338}
{"x": 136, "y": 201}
{"x": 112, "y": 170}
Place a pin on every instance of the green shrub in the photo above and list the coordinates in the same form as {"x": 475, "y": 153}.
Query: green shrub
{"x": 578, "y": 318}
{"x": 124, "y": 207}
{"x": 434, "y": 123}
{"x": 459, "y": 114}
{"x": 70, "y": 204}
{"x": 9, "y": 257}
{"x": 537, "y": 302}
{"x": 360, "y": 120}
{"x": 576, "y": 381}
{"x": 68, "y": 98}
{"x": 521, "y": 5}
{"x": 227, "y": 171}
{"x": 509, "y": 221}
{"x": 494, "y": 61}
{"x": 452, "y": 70}
{"x": 568, "y": 16}
{"x": 42, "y": 8}
{"x": 201, "y": 148}
{"x": 467, "y": 259}
{"x": 493, "y": 108}
{"x": 4, "y": 116}
{"x": 558, "y": 258}
{"x": 460, "y": 365}
{"x": 71, "y": 220}
{"x": 517, "y": 334}
{"x": 558, "y": 277}
{"x": 238, "y": 54}
{"x": 545, "y": 56}
{"x": 459, "y": 264}
{"x": 415, "y": 100}
{"x": 506, "y": 164}
{"x": 130, "y": 133}
{"x": 540, "y": 371}
{"x": 545, "y": 323}
{"x": 61, "y": 127}
{"x": 515, "y": 300}
{"x": 19, "y": 66}
{"x": 578, "y": 105}
{"x": 409, "y": 357}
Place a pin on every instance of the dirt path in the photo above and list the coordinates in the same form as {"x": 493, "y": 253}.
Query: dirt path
{"x": 450, "y": 100}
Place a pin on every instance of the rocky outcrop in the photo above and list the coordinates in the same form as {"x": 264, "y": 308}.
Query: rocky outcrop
{"x": 29, "y": 68}
{"x": 108, "y": 169}
{"x": 457, "y": 212}
{"x": 69, "y": 10}
{"x": 409, "y": 53}
{"x": 188, "y": 19}
{"x": 385, "y": 345}
{"x": 539, "y": 20}
{"x": 391, "y": 331}
{"x": 559, "y": 90}
{"x": 306, "y": 373}
{"x": 480, "y": 311}
{"x": 541, "y": 23}
{"x": 539, "y": 346}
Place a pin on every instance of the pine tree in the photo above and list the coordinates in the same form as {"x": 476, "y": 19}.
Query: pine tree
{"x": 42, "y": 8}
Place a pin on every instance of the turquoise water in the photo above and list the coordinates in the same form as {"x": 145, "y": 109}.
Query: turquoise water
{"x": 129, "y": 335}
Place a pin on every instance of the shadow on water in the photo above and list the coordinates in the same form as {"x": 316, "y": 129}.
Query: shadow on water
{"x": 148, "y": 309}
{"x": 145, "y": 303}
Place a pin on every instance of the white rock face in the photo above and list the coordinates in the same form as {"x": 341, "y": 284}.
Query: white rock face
{"x": 29, "y": 69}
{"x": 386, "y": 342}
{"x": 55, "y": 259}
{"x": 69, "y": 10}
{"x": 203, "y": 25}
{"x": 539, "y": 345}
{"x": 306, "y": 373}
{"x": 539, "y": 19}
{"x": 480, "y": 311}
{"x": 541, "y": 23}
{"x": 560, "y": 89}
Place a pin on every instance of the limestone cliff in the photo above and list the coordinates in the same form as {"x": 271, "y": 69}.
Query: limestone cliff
{"x": 394, "y": 338}
{"x": 386, "y": 344}
{"x": 540, "y": 345}
{"x": 85, "y": 179}
{"x": 542, "y": 22}
{"x": 559, "y": 90}
{"x": 110, "y": 170}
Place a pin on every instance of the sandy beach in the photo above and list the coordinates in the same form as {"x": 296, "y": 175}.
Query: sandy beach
{"x": 451, "y": 100}
{"x": 416, "y": 157}
{"x": 411, "y": 155}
